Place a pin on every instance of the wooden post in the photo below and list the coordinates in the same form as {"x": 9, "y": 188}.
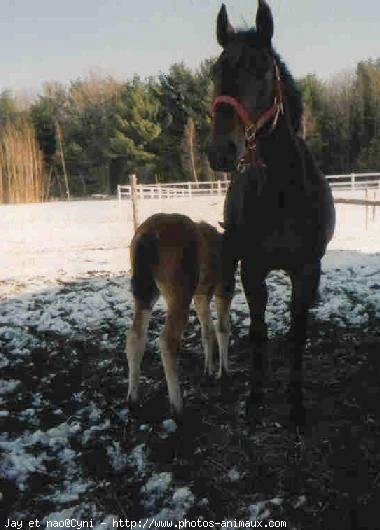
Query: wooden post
{"x": 219, "y": 187}
{"x": 352, "y": 181}
{"x": 366, "y": 209}
{"x": 374, "y": 206}
{"x": 133, "y": 181}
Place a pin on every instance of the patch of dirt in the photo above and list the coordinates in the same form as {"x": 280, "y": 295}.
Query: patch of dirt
{"x": 327, "y": 477}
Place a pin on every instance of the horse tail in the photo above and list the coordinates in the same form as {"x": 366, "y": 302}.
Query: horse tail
{"x": 190, "y": 263}
{"x": 144, "y": 257}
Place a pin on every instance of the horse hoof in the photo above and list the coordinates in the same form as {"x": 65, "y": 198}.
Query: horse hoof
{"x": 226, "y": 390}
{"x": 257, "y": 396}
{"x": 297, "y": 416}
{"x": 209, "y": 371}
{"x": 254, "y": 414}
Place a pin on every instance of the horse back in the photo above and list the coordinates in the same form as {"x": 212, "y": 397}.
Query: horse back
{"x": 177, "y": 244}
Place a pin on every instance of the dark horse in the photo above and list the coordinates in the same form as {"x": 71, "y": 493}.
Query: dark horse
{"x": 279, "y": 211}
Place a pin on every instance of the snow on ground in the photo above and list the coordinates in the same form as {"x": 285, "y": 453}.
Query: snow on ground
{"x": 58, "y": 240}
{"x": 52, "y": 243}
{"x": 63, "y": 277}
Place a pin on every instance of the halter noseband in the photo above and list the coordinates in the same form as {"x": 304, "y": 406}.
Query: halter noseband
{"x": 253, "y": 127}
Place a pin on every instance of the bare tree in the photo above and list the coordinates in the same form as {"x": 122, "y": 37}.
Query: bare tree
{"x": 190, "y": 155}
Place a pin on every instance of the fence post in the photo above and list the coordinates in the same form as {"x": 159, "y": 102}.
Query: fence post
{"x": 189, "y": 188}
{"x": 119, "y": 194}
{"x": 352, "y": 181}
{"x": 133, "y": 181}
{"x": 374, "y": 206}
{"x": 219, "y": 186}
{"x": 366, "y": 209}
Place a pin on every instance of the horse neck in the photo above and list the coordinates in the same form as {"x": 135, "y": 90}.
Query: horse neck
{"x": 280, "y": 150}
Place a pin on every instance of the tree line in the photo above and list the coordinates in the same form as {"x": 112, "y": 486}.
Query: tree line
{"x": 88, "y": 136}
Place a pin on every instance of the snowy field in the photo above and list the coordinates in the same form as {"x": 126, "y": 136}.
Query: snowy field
{"x": 52, "y": 243}
{"x": 59, "y": 240}
{"x": 68, "y": 446}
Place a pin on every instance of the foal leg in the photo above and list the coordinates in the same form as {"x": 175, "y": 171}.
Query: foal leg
{"x": 202, "y": 307}
{"x": 257, "y": 296}
{"x": 170, "y": 341}
{"x": 305, "y": 283}
{"x": 135, "y": 346}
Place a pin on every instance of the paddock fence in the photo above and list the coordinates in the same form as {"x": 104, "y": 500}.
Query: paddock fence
{"x": 352, "y": 182}
{"x": 170, "y": 190}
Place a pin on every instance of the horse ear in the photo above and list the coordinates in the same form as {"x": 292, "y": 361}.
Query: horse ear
{"x": 264, "y": 23}
{"x": 223, "y": 27}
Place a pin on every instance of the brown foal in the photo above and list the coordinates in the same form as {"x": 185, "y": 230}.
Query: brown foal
{"x": 180, "y": 259}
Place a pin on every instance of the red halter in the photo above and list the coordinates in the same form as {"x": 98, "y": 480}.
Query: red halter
{"x": 252, "y": 128}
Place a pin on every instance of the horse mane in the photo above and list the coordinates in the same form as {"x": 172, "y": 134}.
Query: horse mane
{"x": 292, "y": 94}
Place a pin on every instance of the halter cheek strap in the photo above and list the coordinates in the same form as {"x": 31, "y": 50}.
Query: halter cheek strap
{"x": 252, "y": 128}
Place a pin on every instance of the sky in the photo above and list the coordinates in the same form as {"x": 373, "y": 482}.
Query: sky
{"x": 61, "y": 40}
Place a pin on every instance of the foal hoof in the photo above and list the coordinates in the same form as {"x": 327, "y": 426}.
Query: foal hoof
{"x": 207, "y": 379}
{"x": 134, "y": 407}
{"x": 226, "y": 390}
{"x": 177, "y": 415}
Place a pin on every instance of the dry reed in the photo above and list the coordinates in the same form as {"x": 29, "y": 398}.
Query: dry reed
{"x": 22, "y": 175}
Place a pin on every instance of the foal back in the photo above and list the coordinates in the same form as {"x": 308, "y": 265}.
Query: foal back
{"x": 178, "y": 258}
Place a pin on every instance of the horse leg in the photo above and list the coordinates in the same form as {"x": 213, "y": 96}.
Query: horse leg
{"x": 202, "y": 307}
{"x": 228, "y": 264}
{"x": 223, "y": 330}
{"x": 170, "y": 341}
{"x": 305, "y": 283}
{"x": 257, "y": 296}
{"x": 135, "y": 346}
{"x": 223, "y": 296}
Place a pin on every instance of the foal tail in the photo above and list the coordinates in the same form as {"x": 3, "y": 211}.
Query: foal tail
{"x": 144, "y": 256}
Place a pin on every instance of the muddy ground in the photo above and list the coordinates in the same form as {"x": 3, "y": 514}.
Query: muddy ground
{"x": 327, "y": 476}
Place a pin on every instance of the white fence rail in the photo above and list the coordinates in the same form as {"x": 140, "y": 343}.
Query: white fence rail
{"x": 174, "y": 189}
{"x": 349, "y": 182}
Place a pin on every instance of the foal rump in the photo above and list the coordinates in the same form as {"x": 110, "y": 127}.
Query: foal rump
{"x": 167, "y": 253}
